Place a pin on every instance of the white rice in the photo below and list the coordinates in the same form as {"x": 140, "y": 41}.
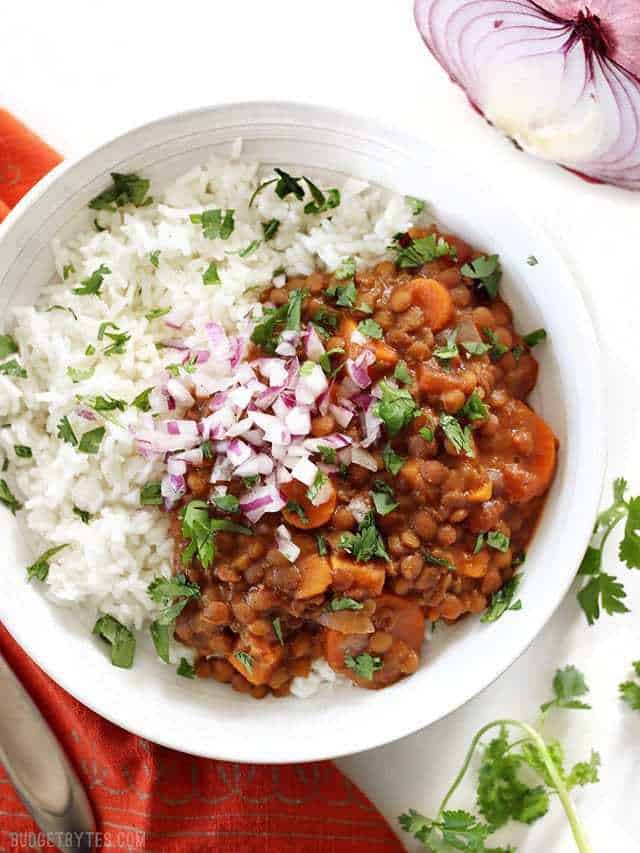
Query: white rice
{"x": 111, "y": 560}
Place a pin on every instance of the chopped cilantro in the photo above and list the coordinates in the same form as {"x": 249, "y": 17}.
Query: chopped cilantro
{"x": 346, "y": 269}
{"x": 92, "y": 285}
{"x": 12, "y": 368}
{"x": 321, "y": 544}
{"x": 62, "y": 308}
{"x": 342, "y": 602}
{"x": 40, "y": 569}
{"x": 126, "y": 189}
{"x": 497, "y": 349}
{"x": 396, "y": 408}
{"x": 7, "y": 346}
{"x": 297, "y": 509}
{"x": 532, "y": 260}
{"x": 185, "y": 669}
{"x": 22, "y": 451}
{"x": 226, "y": 503}
{"x": 141, "y": 402}
{"x": 427, "y": 433}
{"x": 210, "y": 275}
{"x": 370, "y": 328}
{"x": 8, "y": 499}
{"x": 286, "y": 185}
{"x": 535, "y": 337}
{"x": 449, "y": 350}
{"x": 474, "y": 409}
{"x": 155, "y": 313}
{"x": 401, "y": 373}
{"x": 475, "y": 347}
{"x": 90, "y": 441}
{"x": 486, "y": 271}
{"x": 498, "y": 541}
{"x": 383, "y": 497}
{"x": 345, "y": 295}
{"x": 417, "y": 205}
{"x": 270, "y": 229}
{"x": 460, "y": 438}
{"x": 67, "y": 270}
{"x": 266, "y": 332}
{"x": 154, "y": 258}
{"x": 173, "y": 594}
{"x": 327, "y": 454}
{"x": 316, "y": 487}
{"x": 393, "y": 462}
{"x": 150, "y": 494}
{"x": 214, "y": 224}
{"x": 277, "y": 629}
{"x": 78, "y": 374}
{"x": 66, "y": 433}
{"x": 364, "y": 665}
{"x": 366, "y": 544}
{"x": 245, "y": 659}
{"x": 321, "y": 202}
{"x": 83, "y": 514}
{"x": 502, "y": 600}
{"x": 422, "y": 250}
{"x": 120, "y": 638}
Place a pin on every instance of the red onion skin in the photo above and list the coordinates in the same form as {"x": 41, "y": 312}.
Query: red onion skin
{"x": 607, "y": 32}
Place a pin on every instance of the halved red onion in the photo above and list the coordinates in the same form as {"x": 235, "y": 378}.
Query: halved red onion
{"x": 559, "y": 77}
{"x": 285, "y": 544}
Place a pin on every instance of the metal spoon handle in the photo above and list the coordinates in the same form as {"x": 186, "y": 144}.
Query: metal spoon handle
{"x": 39, "y": 770}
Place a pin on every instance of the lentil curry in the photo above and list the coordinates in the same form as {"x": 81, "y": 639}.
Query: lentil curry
{"x": 431, "y": 475}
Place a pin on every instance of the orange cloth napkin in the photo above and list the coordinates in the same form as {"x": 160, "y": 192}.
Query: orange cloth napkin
{"x": 146, "y": 797}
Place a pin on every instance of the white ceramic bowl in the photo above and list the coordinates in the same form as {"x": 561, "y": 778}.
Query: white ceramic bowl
{"x": 208, "y": 719}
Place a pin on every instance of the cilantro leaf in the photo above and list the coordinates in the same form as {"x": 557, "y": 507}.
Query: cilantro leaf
{"x": 568, "y": 684}
{"x": 367, "y": 544}
{"x": 93, "y": 284}
{"x": 342, "y": 602}
{"x": 346, "y": 269}
{"x": 364, "y": 665}
{"x": 344, "y": 295}
{"x": 12, "y": 368}
{"x": 393, "y": 462}
{"x": 486, "y": 271}
{"x": 226, "y": 503}
{"x": 422, "y": 250}
{"x": 277, "y": 629}
{"x": 210, "y": 275}
{"x": 62, "y": 308}
{"x": 186, "y": 669}
{"x": 120, "y": 638}
{"x": 79, "y": 374}
{"x": 476, "y": 347}
{"x": 66, "y": 433}
{"x": 401, "y": 373}
{"x": 396, "y": 408}
{"x": 297, "y": 509}
{"x": 266, "y": 331}
{"x": 173, "y": 594}
{"x": 321, "y": 544}
{"x": 270, "y": 229}
{"x": 154, "y": 258}
{"x": 288, "y": 185}
{"x": 629, "y": 549}
{"x": 498, "y": 541}
{"x": 40, "y": 568}
{"x": 7, "y": 346}
{"x": 502, "y": 601}
{"x": 630, "y": 693}
{"x": 321, "y": 202}
{"x": 246, "y": 660}
{"x": 370, "y": 328}
{"x": 474, "y": 409}
{"x": 90, "y": 441}
{"x": 83, "y": 514}
{"x": 126, "y": 189}
{"x": 383, "y": 497}
{"x": 22, "y": 451}
{"x": 460, "y": 438}
{"x": 497, "y": 348}
{"x": 141, "y": 401}
{"x": 417, "y": 205}
{"x": 449, "y": 350}
{"x": 535, "y": 337}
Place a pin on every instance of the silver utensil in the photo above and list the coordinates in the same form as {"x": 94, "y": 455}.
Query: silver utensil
{"x": 39, "y": 770}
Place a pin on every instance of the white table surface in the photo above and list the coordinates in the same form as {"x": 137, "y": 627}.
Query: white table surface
{"x": 80, "y": 72}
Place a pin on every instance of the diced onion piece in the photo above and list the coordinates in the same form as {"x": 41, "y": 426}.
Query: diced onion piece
{"x": 305, "y": 471}
{"x": 285, "y": 543}
{"x": 363, "y": 458}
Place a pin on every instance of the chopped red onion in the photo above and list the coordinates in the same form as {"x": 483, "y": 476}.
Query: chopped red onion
{"x": 298, "y": 421}
{"x": 363, "y": 458}
{"x": 312, "y": 383}
{"x": 259, "y": 464}
{"x": 238, "y": 452}
{"x": 179, "y": 393}
{"x": 260, "y": 500}
{"x": 305, "y": 471}
{"x": 87, "y": 414}
{"x": 176, "y": 466}
{"x": 184, "y": 427}
{"x": 313, "y": 346}
{"x": 342, "y": 416}
{"x": 335, "y": 440}
{"x": 193, "y": 457}
{"x": 285, "y": 544}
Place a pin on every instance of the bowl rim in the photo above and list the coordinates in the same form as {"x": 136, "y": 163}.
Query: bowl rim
{"x": 331, "y": 117}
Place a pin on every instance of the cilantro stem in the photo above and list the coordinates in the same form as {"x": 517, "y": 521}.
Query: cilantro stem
{"x": 532, "y": 735}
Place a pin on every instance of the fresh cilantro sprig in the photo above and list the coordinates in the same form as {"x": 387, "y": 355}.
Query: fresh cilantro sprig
{"x": 266, "y": 332}
{"x": 396, "y": 408}
{"x": 119, "y": 637}
{"x": 603, "y": 591}
{"x": 126, "y": 189}
{"x": 200, "y": 529}
{"x": 415, "y": 252}
{"x": 173, "y": 594}
{"x": 630, "y": 690}
{"x": 486, "y": 271}
{"x": 502, "y": 792}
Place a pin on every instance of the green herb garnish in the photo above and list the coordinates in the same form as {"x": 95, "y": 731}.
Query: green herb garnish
{"x": 396, "y": 408}
{"x": 185, "y": 669}
{"x": 12, "y": 368}
{"x": 210, "y": 276}
{"x": 7, "y": 346}
{"x": 226, "y": 503}
{"x": 393, "y": 462}
{"x": 126, "y": 189}
{"x": 364, "y": 665}
{"x": 141, "y": 402}
{"x": 370, "y": 328}
{"x": 367, "y": 544}
{"x": 343, "y": 602}
{"x": 79, "y": 374}
{"x": 535, "y": 337}
{"x": 8, "y": 499}
{"x": 83, "y": 514}
{"x": 22, "y": 451}
{"x": 214, "y": 224}
{"x": 90, "y": 441}
{"x": 422, "y": 250}
{"x": 93, "y": 284}
{"x": 460, "y": 438}
{"x": 40, "y": 569}
{"x": 66, "y": 433}
{"x": 502, "y": 600}
{"x": 120, "y": 638}
{"x": 486, "y": 271}
{"x": 384, "y": 500}
{"x": 417, "y": 205}
{"x": 474, "y": 409}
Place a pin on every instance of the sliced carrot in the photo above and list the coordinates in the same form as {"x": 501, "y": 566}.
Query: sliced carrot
{"x": 338, "y": 645}
{"x": 385, "y": 355}
{"x": 314, "y": 516}
{"x": 469, "y": 565}
{"x": 315, "y": 572}
{"x": 524, "y": 476}
{"x": 434, "y": 380}
{"x": 367, "y": 579}
{"x": 345, "y": 330}
{"x": 263, "y": 659}
{"x": 435, "y": 301}
{"x": 402, "y": 618}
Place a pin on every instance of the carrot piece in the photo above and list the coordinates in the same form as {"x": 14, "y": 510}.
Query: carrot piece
{"x": 346, "y": 328}
{"x": 264, "y": 658}
{"x": 435, "y": 301}
{"x": 338, "y": 645}
{"x": 385, "y": 355}
{"x": 525, "y": 476}
{"x": 434, "y": 380}
{"x": 314, "y": 516}
{"x": 367, "y": 579}
{"x": 315, "y": 574}
{"x": 402, "y": 618}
